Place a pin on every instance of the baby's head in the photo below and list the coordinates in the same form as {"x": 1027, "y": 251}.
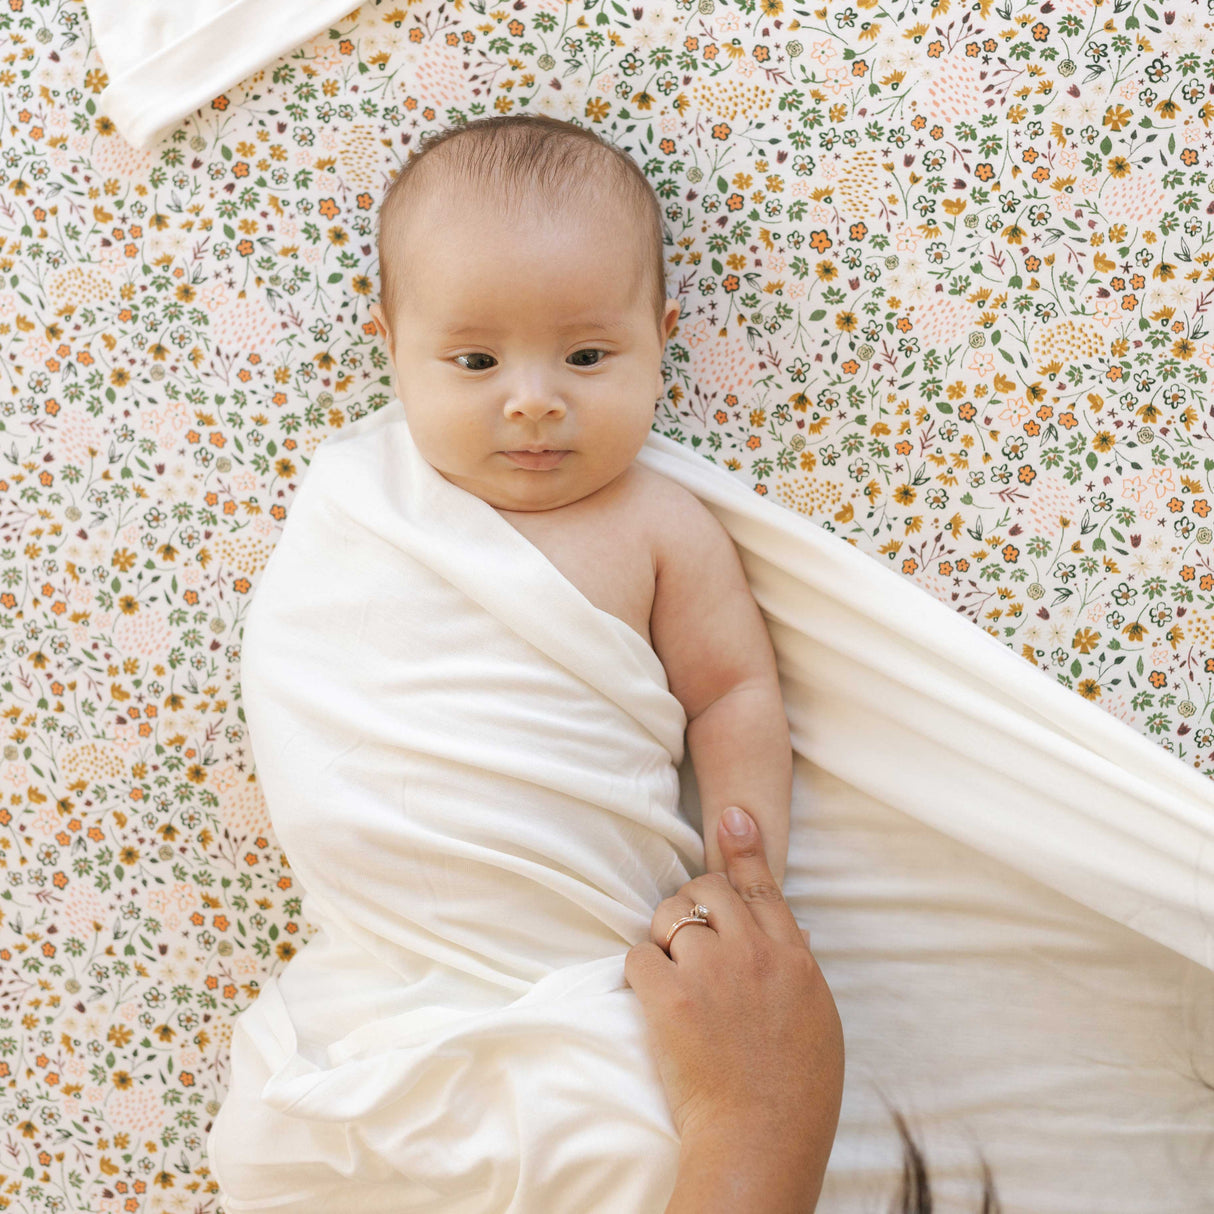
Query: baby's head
{"x": 523, "y": 302}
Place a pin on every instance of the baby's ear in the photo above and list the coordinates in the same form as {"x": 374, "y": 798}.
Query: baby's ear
{"x": 377, "y": 315}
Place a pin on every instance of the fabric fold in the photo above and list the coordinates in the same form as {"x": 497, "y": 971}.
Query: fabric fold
{"x": 969, "y": 737}
{"x": 480, "y": 781}
{"x": 474, "y": 773}
{"x": 164, "y": 61}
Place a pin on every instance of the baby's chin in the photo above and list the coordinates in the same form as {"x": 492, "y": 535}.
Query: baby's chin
{"x": 532, "y": 492}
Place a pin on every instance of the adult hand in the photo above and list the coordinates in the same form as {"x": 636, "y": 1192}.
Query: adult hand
{"x": 743, "y": 1027}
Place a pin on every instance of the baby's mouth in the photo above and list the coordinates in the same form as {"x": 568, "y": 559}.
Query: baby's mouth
{"x": 536, "y": 460}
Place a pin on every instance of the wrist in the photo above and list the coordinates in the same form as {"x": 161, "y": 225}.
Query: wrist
{"x": 742, "y": 1169}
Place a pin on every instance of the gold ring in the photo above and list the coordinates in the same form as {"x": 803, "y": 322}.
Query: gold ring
{"x": 698, "y": 915}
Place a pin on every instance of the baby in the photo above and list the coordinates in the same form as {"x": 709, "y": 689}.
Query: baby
{"x": 523, "y": 307}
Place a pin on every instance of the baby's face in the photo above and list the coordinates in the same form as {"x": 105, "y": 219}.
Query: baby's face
{"x": 558, "y": 350}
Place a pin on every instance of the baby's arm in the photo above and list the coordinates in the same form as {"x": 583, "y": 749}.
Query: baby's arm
{"x": 742, "y": 756}
{"x": 709, "y": 633}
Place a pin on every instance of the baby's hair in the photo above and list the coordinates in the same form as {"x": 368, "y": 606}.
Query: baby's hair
{"x": 520, "y": 162}
{"x": 916, "y": 1194}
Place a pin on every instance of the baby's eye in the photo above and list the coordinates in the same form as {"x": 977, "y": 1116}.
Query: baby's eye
{"x": 589, "y": 350}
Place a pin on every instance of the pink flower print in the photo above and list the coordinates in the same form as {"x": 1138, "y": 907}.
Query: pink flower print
{"x": 245, "y": 964}
{"x": 954, "y": 87}
{"x": 36, "y": 349}
{"x": 116, "y": 158}
{"x": 82, "y": 908}
{"x": 695, "y": 332}
{"x": 125, "y": 737}
{"x": 75, "y": 435}
{"x": 1162, "y": 480}
{"x": 144, "y": 633}
{"x": 823, "y": 51}
{"x": 1131, "y": 488}
{"x": 940, "y": 320}
{"x": 246, "y": 325}
{"x": 723, "y": 363}
{"x": 983, "y": 364}
{"x": 16, "y": 774}
{"x": 326, "y": 54}
{"x": 1015, "y": 410}
{"x": 1050, "y": 502}
{"x": 435, "y": 73}
{"x": 138, "y": 1109}
{"x": 169, "y": 902}
{"x": 242, "y": 806}
{"x": 46, "y": 821}
{"x": 1137, "y": 200}
{"x": 168, "y": 423}
{"x": 225, "y": 778}
{"x": 213, "y": 297}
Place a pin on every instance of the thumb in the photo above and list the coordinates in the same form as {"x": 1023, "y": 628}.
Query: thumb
{"x": 738, "y": 829}
{"x": 746, "y": 867}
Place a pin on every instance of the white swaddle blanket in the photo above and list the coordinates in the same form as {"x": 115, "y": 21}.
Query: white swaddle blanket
{"x": 475, "y": 774}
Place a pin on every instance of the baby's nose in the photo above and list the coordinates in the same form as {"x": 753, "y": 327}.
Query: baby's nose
{"x": 535, "y": 404}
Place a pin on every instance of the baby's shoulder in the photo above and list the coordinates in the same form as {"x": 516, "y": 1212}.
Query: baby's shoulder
{"x": 658, "y": 492}
{"x": 665, "y": 497}
{"x": 670, "y": 513}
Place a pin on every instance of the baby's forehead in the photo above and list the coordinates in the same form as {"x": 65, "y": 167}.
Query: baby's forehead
{"x": 451, "y": 194}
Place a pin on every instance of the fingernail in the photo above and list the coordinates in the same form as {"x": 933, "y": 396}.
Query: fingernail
{"x": 737, "y": 822}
